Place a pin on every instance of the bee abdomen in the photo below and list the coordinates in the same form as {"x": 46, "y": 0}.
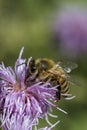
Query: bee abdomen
{"x": 64, "y": 88}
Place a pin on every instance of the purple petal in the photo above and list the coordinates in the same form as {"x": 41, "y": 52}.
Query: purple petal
{"x": 7, "y": 74}
{"x": 20, "y": 67}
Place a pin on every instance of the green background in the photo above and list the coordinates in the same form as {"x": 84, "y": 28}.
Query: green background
{"x": 29, "y": 23}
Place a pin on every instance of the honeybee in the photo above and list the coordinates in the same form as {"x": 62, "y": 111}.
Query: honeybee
{"x": 46, "y": 70}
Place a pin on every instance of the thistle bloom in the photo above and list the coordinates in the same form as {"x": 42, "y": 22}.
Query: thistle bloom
{"x": 21, "y": 104}
{"x": 70, "y": 31}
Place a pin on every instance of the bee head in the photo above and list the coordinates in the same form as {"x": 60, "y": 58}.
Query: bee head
{"x": 32, "y": 66}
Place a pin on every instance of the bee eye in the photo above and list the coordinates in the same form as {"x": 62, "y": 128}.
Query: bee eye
{"x": 32, "y": 67}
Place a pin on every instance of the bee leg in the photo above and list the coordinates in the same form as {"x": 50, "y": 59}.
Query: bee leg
{"x": 58, "y": 93}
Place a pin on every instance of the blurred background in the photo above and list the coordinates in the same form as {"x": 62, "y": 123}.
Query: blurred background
{"x": 55, "y": 29}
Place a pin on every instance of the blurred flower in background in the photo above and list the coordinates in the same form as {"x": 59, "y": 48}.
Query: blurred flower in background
{"x": 70, "y": 31}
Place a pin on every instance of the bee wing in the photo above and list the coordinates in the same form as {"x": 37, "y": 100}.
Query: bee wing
{"x": 73, "y": 81}
{"x": 67, "y": 66}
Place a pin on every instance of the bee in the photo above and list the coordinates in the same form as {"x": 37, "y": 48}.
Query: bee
{"x": 47, "y": 70}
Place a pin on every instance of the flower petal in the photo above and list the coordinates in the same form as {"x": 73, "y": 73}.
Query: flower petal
{"x": 7, "y": 74}
{"x": 20, "y": 67}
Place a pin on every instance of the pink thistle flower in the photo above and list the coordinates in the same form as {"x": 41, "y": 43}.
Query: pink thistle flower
{"x": 21, "y": 104}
